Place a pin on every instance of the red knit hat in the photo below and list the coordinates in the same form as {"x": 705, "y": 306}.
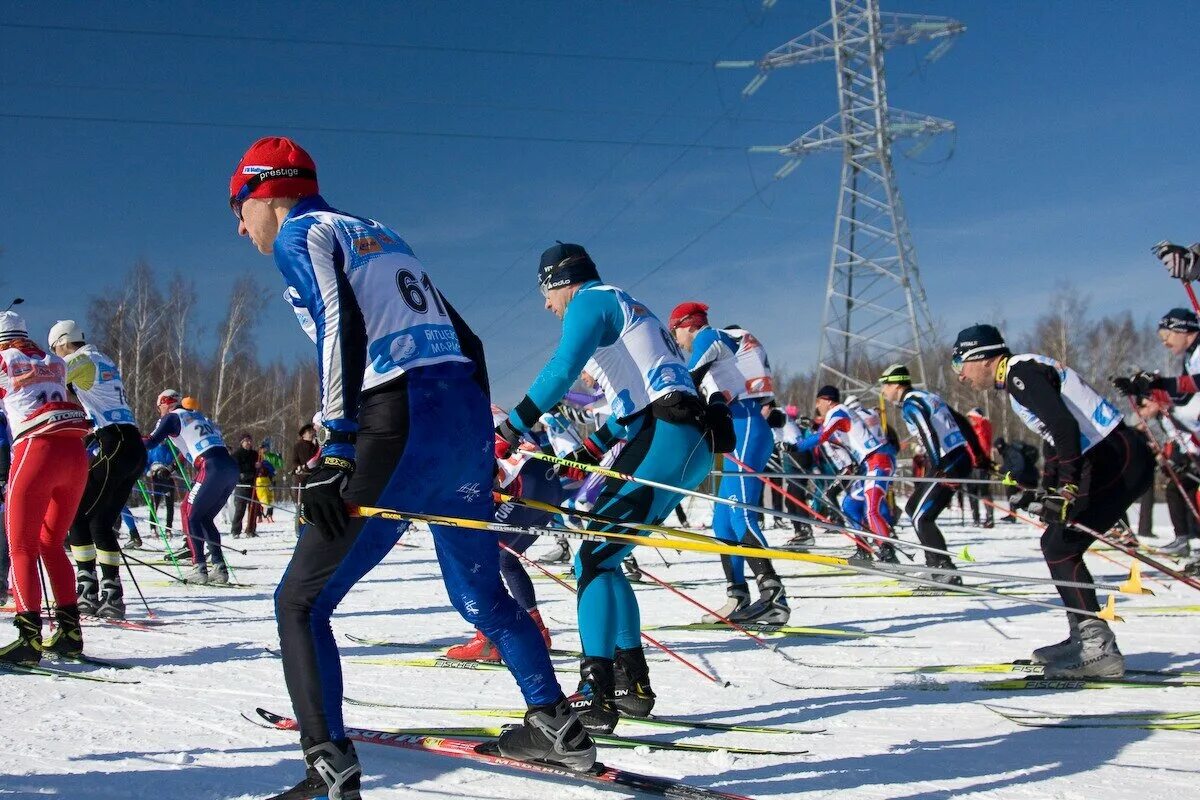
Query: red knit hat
{"x": 689, "y": 315}
{"x": 273, "y": 167}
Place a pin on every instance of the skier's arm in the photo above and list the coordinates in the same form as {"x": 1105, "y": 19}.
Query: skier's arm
{"x": 1037, "y": 387}
{"x": 706, "y": 349}
{"x": 168, "y": 425}
{"x": 831, "y": 426}
{"x": 919, "y": 419}
{"x": 593, "y": 319}
{"x": 310, "y": 256}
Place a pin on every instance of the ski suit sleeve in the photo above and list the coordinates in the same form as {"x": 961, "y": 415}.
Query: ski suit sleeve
{"x": 312, "y": 261}
{"x": 168, "y": 425}
{"x": 830, "y": 426}
{"x": 1037, "y": 387}
{"x": 918, "y": 416}
{"x": 706, "y": 350}
{"x": 593, "y": 320}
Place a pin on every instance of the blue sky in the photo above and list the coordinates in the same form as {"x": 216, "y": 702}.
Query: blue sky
{"x": 1074, "y": 153}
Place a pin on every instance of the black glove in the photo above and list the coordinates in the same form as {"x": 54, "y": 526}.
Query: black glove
{"x": 1124, "y": 385}
{"x": 776, "y": 418}
{"x": 509, "y": 434}
{"x": 805, "y": 423}
{"x": 1061, "y": 506}
{"x": 1180, "y": 261}
{"x": 1022, "y": 499}
{"x": 1145, "y": 382}
{"x": 321, "y": 502}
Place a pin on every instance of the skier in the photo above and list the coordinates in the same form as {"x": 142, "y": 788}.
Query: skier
{"x": 5, "y": 465}
{"x": 398, "y": 368}
{"x": 931, "y": 421}
{"x": 43, "y": 487}
{"x": 120, "y": 457}
{"x": 656, "y": 410}
{"x": 981, "y": 493}
{"x": 194, "y": 435}
{"x": 1178, "y": 401}
{"x": 519, "y": 476}
{"x": 1095, "y": 467}
{"x": 862, "y": 437}
{"x": 787, "y": 459}
{"x": 1178, "y": 463}
{"x": 246, "y": 458}
{"x": 162, "y": 484}
{"x": 734, "y": 363}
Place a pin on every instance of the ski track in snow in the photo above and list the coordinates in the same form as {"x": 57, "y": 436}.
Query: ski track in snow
{"x": 179, "y": 732}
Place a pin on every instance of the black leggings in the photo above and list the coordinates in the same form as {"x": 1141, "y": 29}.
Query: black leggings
{"x": 1183, "y": 520}
{"x": 930, "y": 500}
{"x": 1115, "y": 473}
{"x": 112, "y": 473}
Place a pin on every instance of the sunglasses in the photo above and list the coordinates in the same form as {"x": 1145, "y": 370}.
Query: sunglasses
{"x": 956, "y": 364}
{"x": 259, "y": 178}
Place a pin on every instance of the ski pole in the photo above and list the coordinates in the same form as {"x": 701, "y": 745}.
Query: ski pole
{"x": 45, "y": 594}
{"x": 141, "y": 484}
{"x": 850, "y": 478}
{"x": 895, "y": 570}
{"x": 715, "y": 547}
{"x": 1191, "y": 293}
{"x": 133, "y": 578}
{"x": 137, "y": 560}
{"x": 1159, "y": 453}
{"x": 644, "y": 635}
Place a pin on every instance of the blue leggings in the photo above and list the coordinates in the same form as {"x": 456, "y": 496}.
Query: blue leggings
{"x": 738, "y": 525}
{"x": 214, "y": 483}
{"x": 667, "y": 452}
{"x": 407, "y": 462}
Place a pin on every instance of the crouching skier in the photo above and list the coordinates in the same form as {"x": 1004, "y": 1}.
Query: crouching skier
{"x": 656, "y": 410}
{"x": 397, "y": 369}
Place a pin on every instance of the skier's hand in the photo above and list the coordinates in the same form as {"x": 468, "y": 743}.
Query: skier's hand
{"x": 1123, "y": 385}
{"x": 1145, "y": 382}
{"x": 321, "y": 502}
{"x": 1061, "y": 506}
{"x": 776, "y": 418}
{"x": 1180, "y": 261}
{"x": 507, "y": 437}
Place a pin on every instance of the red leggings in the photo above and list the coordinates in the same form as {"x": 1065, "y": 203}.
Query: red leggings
{"x": 44, "y": 488}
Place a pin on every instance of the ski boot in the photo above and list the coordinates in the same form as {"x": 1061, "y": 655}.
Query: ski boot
{"x": 593, "y": 700}
{"x": 1052, "y": 652}
{"x": 198, "y": 574}
{"x": 802, "y": 538}
{"x": 87, "y": 590}
{"x": 135, "y": 541}
{"x": 27, "y": 649}
{"x": 219, "y": 574}
{"x": 943, "y": 562}
{"x": 536, "y": 616}
{"x": 1192, "y": 568}
{"x": 630, "y": 566}
{"x": 561, "y": 553}
{"x": 770, "y": 608}
{"x": 112, "y": 599}
{"x": 862, "y": 554}
{"x": 1097, "y": 655}
{"x": 553, "y": 734}
{"x": 333, "y": 773}
{"x": 1179, "y": 546}
{"x": 632, "y": 692}
{"x": 739, "y": 598}
{"x": 479, "y": 648}
{"x": 887, "y": 554}
{"x": 67, "y": 640}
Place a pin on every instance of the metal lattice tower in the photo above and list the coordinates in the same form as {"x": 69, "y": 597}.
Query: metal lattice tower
{"x": 875, "y": 307}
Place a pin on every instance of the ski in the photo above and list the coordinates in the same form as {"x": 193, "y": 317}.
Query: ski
{"x": 1118, "y": 721}
{"x": 1162, "y": 611}
{"x": 651, "y": 721}
{"x": 1152, "y": 716}
{"x": 84, "y": 658}
{"x": 1036, "y": 683}
{"x": 554, "y": 651}
{"x": 56, "y": 672}
{"x": 771, "y": 630}
{"x": 150, "y": 625}
{"x": 440, "y": 662}
{"x": 922, "y": 686}
{"x": 479, "y": 753}
{"x": 1027, "y": 666}
{"x": 919, "y": 592}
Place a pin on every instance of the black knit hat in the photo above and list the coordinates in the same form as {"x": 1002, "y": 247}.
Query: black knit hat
{"x": 1180, "y": 320}
{"x": 564, "y": 265}
{"x": 896, "y": 373}
{"x": 978, "y": 343}
{"x": 830, "y": 392}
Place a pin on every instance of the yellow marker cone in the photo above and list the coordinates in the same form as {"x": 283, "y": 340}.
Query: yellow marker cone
{"x": 1133, "y": 585}
{"x": 1109, "y": 612}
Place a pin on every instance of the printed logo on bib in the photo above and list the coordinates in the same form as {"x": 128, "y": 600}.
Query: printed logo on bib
{"x": 665, "y": 376}
{"x": 415, "y": 344}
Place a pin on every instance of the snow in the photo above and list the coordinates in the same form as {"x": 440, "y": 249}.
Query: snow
{"x": 178, "y": 733}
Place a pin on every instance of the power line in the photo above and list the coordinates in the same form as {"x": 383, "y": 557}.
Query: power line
{"x": 371, "y": 131}
{"x": 357, "y": 44}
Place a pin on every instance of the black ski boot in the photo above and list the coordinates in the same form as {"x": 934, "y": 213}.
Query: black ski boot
{"x": 887, "y": 554}
{"x": 632, "y": 691}
{"x": 333, "y": 773}
{"x": 27, "y": 649}
{"x": 67, "y": 640}
{"x": 87, "y": 589}
{"x": 739, "y": 598}
{"x": 632, "y": 571}
{"x": 770, "y": 608}
{"x": 802, "y": 537}
{"x": 553, "y": 734}
{"x": 112, "y": 599}
{"x": 862, "y": 554}
{"x": 944, "y": 562}
{"x": 593, "y": 701}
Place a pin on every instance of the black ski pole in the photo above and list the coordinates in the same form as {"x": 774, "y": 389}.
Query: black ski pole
{"x": 149, "y": 613}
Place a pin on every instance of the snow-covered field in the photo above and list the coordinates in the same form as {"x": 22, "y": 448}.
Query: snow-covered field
{"x": 178, "y": 732}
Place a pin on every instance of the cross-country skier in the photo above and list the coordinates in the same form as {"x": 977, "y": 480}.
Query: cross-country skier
{"x": 656, "y": 410}
{"x": 115, "y": 467}
{"x": 862, "y": 437}
{"x": 161, "y": 473}
{"x": 1095, "y": 468}
{"x": 734, "y": 363}
{"x": 5, "y": 464}
{"x": 44, "y": 484}
{"x": 194, "y": 435}
{"x": 244, "y": 506}
{"x": 931, "y": 420}
{"x": 982, "y": 467}
{"x": 398, "y": 368}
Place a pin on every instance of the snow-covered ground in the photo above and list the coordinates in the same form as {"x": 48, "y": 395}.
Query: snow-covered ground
{"x": 178, "y": 732}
